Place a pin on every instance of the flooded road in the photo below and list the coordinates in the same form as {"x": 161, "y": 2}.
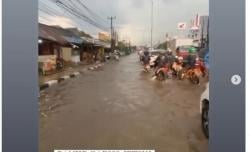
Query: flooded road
{"x": 120, "y": 107}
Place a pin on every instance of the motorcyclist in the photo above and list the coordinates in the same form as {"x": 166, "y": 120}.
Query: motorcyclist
{"x": 178, "y": 62}
{"x": 170, "y": 58}
{"x": 146, "y": 59}
{"x": 141, "y": 53}
{"x": 160, "y": 61}
{"x": 164, "y": 60}
{"x": 191, "y": 59}
{"x": 59, "y": 63}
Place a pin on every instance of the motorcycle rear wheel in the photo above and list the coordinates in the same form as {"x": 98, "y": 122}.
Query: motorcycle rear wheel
{"x": 195, "y": 79}
{"x": 161, "y": 76}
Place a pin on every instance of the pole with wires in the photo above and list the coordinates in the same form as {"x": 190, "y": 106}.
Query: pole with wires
{"x": 152, "y": 20}
{"x": 112, "y": 33}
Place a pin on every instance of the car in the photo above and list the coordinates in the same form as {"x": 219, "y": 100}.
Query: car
{"x": 204, "y": 110}
{"x": 183, "y": 51}
{"x": 157, "y": 52}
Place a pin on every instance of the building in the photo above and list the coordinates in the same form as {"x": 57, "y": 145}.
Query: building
{"x": 49, "y": 49}
{"x": 104, "y": 36}
{"x": 93, "y": 49}
{"x": 199, "y": 30}
{"x": 71, "y": 54}
{"x": 59, "y": 47}
{"x": 174, "y": 43}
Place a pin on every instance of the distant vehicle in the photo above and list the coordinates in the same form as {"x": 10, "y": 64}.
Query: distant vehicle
{"x": 183, "y": 51}
{"x": 117, "y": 52}
{"x": 154, "y": 54}
{"x": 157, "y": 52}
{"x": 150, "y": 49}
{"x": 204, "y": 110}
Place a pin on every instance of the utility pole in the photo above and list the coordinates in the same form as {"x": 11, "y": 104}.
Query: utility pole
{"x": 112, "y": 32}
{"x": 129, "y": 46}
{"x": 208, "y": 32}
{"x": 152, "y": 20}
{"x": 202, "y": 32}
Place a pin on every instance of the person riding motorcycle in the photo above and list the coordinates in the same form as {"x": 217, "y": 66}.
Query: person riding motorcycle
{"x": 141, "y": 53}
{"x": 164, "y": 61}
{"x": 116, "y": 55}
{"x": 192, "y": 69}
{"x": 177, "y": 66}
{"x": 170, "y": 59}
{"x": 59, "y": 63}
{"x": 146, "y": 59}
{"x": 190, "y": 60}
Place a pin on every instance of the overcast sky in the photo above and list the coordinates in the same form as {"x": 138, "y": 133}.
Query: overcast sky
{"x": 132, "y": 16}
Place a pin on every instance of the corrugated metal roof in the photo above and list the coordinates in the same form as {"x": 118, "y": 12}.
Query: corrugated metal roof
{"x": 48, "y": 32}
{"x": 60, "y": 35}
{"x": 69, "y": 35}
{"x": 86, "y": 40}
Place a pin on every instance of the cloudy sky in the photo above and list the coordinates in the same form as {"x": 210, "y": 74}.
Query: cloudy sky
{"x": 133, "y": 17}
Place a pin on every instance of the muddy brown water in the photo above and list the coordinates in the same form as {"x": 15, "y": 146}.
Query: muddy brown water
{"x": 120, "y": 107}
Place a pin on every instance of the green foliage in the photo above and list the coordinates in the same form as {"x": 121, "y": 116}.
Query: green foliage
{"x": 123, "y": 48}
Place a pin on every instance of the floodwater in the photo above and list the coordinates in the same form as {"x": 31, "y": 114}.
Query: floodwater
{"x": 120, "y": 107}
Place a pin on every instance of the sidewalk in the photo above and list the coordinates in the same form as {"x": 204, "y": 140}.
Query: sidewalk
{"x": 67, "y": 71}
{"x": 70, "y": 71}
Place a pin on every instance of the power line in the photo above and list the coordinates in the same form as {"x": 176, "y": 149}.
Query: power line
{"x": 80, "y": 15}
{"x": 152, "y": 20}
{"x": 44, "y": 8}
{"x": 91, "y": 12}
{"x": 81, "y": 10}
{"x": 75, "y": 10}
{"x": 48, "y": 8}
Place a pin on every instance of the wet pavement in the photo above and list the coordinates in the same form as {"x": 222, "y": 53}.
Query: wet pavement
{"x": 121, "y": 107}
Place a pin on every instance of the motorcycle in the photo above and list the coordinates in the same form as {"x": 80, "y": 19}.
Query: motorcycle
{"x": 178, "y": 70}
{"x": 116, "y": 56}
{"x": 59, "y": 64}
{"x": 162, "y": 73}
{"x": 146, "y": 68}
{"x": 193, "y": 75}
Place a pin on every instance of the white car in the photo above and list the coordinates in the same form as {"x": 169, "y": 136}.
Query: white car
{"x": 204, "y": 110}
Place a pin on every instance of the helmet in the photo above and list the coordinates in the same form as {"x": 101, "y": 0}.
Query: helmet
{"x": 192, "y": 50}
{"x": 180, "y": 58}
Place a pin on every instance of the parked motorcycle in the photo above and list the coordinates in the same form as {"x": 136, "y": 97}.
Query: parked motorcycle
{"x": 116, "y": 56}
{"x": 59, "y": 64}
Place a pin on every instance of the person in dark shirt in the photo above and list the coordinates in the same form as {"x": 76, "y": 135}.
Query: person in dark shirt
{"x": 146, "y": 58}
{"x": 169, "y": 59}
{"x": 191, "y": 59}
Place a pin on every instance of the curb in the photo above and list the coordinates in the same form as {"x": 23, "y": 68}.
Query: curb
{"x": 59, "y": 80}
{"x": 96, "y": 66}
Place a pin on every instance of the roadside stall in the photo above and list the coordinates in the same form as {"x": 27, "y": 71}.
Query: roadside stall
{"x": 50, "y": 46}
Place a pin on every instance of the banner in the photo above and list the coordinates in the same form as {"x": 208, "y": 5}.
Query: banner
{"x": 181, "y": 26}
